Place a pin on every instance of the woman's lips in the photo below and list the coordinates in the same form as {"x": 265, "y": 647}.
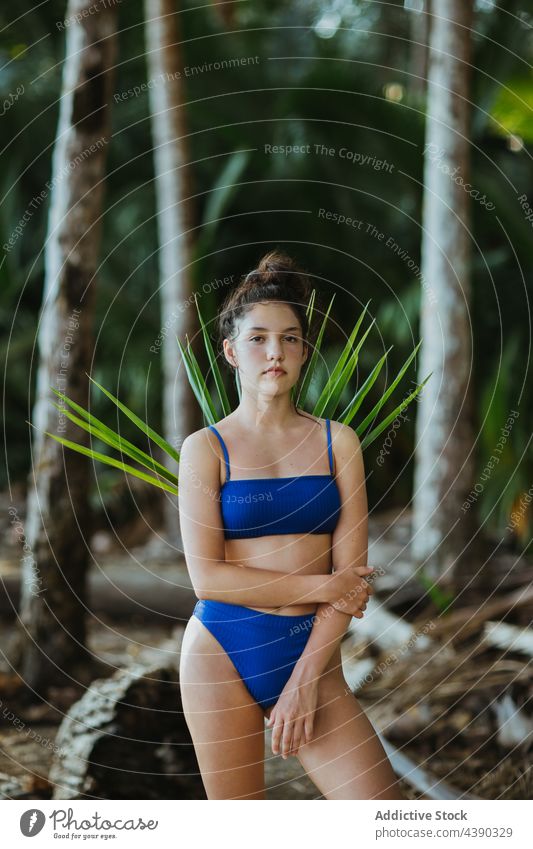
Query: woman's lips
{"x": 275, "y": 371}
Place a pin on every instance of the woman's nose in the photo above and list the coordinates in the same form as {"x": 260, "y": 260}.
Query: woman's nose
{"x": 275, "y": 349}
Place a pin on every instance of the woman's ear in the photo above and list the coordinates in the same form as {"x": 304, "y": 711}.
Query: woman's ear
{"x": 229, "y": 353}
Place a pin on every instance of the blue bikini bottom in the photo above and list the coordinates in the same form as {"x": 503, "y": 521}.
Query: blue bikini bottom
{"x": 264, "y": 647}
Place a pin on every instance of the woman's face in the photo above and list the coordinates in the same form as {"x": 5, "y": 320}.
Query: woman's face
{"x": 268, "y": 335}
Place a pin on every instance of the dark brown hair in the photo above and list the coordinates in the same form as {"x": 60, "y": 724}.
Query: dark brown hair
{"x": 276, "y": 278}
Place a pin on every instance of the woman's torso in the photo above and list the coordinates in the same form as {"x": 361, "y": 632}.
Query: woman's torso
{"x": 303, "y": 452}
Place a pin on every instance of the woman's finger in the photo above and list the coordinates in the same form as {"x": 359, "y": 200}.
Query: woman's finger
{"x": 308, "y": 725}
{"x": 286, "y": 738}
{"x": 277, "y": 732}
{"x": 297, "y": 736}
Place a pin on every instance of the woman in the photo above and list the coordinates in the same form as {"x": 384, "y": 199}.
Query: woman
{"x": 269, "y": 501}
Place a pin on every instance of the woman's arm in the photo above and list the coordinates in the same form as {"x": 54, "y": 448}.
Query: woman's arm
{"x": 202, "y": 534}
{"x": 349, "y": 548}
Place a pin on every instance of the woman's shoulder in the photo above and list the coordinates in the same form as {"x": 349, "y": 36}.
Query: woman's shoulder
{"x": 206, "y": 438}
{"x": 344, "y": 437}
{"x": 335, "y": 426}
{"x": 341, "y": 434}
{"x": 207, "y": 432}
{"x": 198, "y": 439}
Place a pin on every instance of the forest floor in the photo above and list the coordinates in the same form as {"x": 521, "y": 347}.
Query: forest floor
{"x": 457, "y": 707}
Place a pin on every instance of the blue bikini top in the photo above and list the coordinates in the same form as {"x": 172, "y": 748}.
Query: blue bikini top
{"x": 256, "y": 507}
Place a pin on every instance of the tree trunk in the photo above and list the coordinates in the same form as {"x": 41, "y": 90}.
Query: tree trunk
{"x": 51, "y": 637}
{"x": 174, "y": 222}
{"x": 420, "y": 28}
{"x": 443, "y": 471}
{"x": 127, "y": 738}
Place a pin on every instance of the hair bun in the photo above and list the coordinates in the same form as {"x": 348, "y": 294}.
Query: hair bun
{"x": 278, "y": 271}
{"x": 275, "y": 262}
{"x": 277, "y": 278}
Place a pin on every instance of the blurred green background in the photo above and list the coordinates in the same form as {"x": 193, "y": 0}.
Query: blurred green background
{"x": 334, "y": 74}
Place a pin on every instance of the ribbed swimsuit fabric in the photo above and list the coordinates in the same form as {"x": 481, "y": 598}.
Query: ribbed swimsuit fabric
{"x": 256, "y": 507}
{"x": 265, "y": 647}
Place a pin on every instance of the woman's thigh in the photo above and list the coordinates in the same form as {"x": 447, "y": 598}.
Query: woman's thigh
{"x": 225, "y": 722}
{"x": 345, "y": 758}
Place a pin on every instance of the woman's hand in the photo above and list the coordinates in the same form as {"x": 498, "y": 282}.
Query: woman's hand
{"x": 292, "y": 717}
{"x": 351, "y": 591}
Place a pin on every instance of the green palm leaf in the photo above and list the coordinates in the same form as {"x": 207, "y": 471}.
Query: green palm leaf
{"x": 219, "y": 383}
{"x": 373, "y": 413}
{"x": 159, "y": 440}
{"x": 338, "y": 388}
{"x": 309, "y": 374}
{"x": 110, "y": 438}
{"x": 347, "y": 415}
{"x": 198, "y": 384}
{"x": 327, "y": 403}
{"x": 367, "y": 440}
{"x": 110, "y": 461}
{"x": 333, "y": 380}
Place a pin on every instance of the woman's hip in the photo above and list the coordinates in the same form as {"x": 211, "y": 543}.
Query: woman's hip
{"x": 253, "y": 628}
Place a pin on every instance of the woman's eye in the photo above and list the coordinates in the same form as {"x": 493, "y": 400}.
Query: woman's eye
{"x": 291, "y": 338}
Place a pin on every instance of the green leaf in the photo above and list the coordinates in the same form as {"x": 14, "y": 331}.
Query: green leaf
{"x": 350, "y": 411}
{"x": 219, "y": 383}
{"x": 115, "y": 441}
{"x": 302, "y": 396}
{"x": 159, "y": 440}
{"x": 333, "y": 379}
{"x": 442, "y": 599}
{"x": 110, "y": 461}
{"x": 373, "y": 413}
{"x": 197, "y": 382}
{"x": 111, "y": 434}
{"x": 344, "y": 378}
{"x": 381, "y": 427}
{"x": 221, "y": 194}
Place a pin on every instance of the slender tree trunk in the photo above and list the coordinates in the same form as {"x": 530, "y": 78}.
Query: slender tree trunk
{"x": 420, "y": 28}
{"x": 174, "y": 222}
{"x": 443, "y": 471}
{"x": 51, "y": 637}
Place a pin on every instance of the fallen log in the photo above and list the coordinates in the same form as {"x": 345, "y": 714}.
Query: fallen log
{"x": 468, "y": 620}
{"x": 515, "y": 727}
{"x": 419, "y": 778}
{"x": 384, "y": 628}
{"x": 504, "y": 636}
{"x": 122, "y": 592}
{"x": 127, "y": 738}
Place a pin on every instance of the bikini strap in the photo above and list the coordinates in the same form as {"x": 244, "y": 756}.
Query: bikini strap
{"x": 225, "y": 450}
{"x": 330, "y": 452}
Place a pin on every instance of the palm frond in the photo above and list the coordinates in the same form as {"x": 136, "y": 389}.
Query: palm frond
{"x": 384, "y": 398}
{"x": 326, "y": 405}
{"x": 367, "y": 440}
{"x": 159, "y": 440}
{"x": 310, "y": 371}
{"x": 197, "y": 381}
{"x": 349, "y": 412}
{"x": 110, "y": 461}
{"x": 105, "y": 434}
{"x": 217, "y": 377}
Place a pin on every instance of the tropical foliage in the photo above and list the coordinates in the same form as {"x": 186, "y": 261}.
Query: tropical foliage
{"x": 328, "y": 403}
{"x": 350, "y": 75}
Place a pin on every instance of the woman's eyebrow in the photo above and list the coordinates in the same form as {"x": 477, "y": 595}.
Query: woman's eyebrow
{"x": 266, "y": 328}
